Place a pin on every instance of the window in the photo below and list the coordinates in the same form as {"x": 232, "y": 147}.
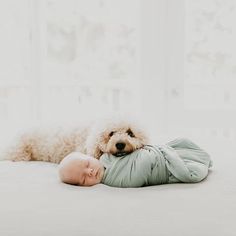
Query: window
{"x": 67, "y": 60}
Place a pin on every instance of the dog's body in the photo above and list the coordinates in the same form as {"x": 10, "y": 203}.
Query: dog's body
{"x": 52, "y": 146}
{"x": 42, "y": 145}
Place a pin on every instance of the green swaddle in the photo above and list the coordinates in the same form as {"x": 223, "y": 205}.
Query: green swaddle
{"x": 178, "y": 161}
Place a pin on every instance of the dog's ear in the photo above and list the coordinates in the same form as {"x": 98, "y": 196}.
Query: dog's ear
{"x": 95, "y": 152}
{"x": 94, "y": 140}
{"x": 92, "y": 145}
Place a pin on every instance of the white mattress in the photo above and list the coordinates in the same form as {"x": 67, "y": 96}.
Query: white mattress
{"x": 34, "y": 202}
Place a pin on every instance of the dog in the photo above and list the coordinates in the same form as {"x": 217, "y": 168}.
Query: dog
{"x": 118, "y": 138}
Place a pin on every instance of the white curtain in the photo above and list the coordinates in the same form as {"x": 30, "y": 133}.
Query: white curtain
{"x": 67, "y": 60}
{"x": 170, "y": 63}
{"x": 188, "y": 58}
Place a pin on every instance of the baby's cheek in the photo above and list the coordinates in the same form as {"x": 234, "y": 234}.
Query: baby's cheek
{"x": 78, "y": 179}
{"x": 91, "y": 182}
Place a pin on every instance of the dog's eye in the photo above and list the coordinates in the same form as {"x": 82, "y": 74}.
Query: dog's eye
{"x": 130, "y": 133}
{"x": 111, "y": 134}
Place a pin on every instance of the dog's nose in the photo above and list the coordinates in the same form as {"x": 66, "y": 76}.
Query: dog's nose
{"x": 120, "y": 146}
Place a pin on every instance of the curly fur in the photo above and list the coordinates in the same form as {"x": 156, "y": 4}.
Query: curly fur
{"x": 53, "y": 146}
{"x": 101, "y": 141}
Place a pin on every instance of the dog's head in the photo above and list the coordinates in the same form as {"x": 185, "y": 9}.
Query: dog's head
{"x": 118, "y": 138}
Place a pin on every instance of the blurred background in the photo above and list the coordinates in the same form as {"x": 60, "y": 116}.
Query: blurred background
{"x": 170, "y": 63}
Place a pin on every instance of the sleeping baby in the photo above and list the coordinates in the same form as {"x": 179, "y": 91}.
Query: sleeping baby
{"x": 178, "y": 161}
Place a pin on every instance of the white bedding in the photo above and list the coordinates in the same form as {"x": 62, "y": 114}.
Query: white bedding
{"x": 33, "y": 202}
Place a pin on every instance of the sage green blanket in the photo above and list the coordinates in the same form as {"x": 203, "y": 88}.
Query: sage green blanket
{"x": 178, "y": 161}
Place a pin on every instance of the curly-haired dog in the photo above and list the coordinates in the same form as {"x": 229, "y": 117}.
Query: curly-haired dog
{"x": 116, "y": 138}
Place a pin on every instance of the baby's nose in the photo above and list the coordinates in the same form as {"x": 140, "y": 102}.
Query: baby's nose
{"x": 90, "y": 171}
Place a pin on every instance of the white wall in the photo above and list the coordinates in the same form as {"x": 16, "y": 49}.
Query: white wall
{"x": 67, "y": 60}
{"x": 188, "y": 58}
{"x": 162, "y": 47}
{"x": 170, "y": 63}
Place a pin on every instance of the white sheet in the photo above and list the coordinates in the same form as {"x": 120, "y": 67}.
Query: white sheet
{"x": 34, "y": 202}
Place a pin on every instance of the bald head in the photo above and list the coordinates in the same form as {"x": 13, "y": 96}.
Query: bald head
{"x": 80, "y": 169}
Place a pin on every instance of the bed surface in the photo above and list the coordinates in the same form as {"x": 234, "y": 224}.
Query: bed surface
{"x": 34, "y": 202}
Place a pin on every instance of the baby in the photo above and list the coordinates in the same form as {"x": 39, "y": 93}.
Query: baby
{"x": 178, "y": 161}
{"x": 80, "y": 169}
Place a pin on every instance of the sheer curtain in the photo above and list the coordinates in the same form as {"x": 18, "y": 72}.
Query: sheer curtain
{"x": 67, "y": 61}
{"x": 209, "y": 95}
{"x": 189, "y": 60}
{"x": 170, "y": 63}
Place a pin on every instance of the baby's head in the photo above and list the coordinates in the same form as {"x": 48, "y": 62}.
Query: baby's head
{"x": 80, "y": 169}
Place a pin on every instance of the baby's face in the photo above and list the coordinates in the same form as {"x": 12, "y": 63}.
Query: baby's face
{"x": 83, "y": 171}
{"x": 90, "y": 171}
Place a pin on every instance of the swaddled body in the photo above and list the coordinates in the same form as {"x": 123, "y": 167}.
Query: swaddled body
{"x": 178, "y": 161}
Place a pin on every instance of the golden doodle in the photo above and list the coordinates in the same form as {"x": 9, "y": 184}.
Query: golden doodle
{"x": 117, "y": 138}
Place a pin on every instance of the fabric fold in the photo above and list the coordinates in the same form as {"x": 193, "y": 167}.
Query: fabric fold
{"x": 180, "y": 160}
